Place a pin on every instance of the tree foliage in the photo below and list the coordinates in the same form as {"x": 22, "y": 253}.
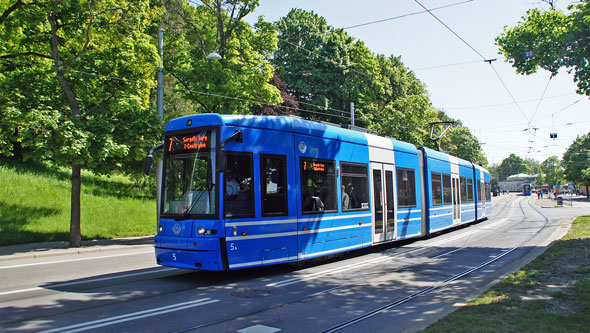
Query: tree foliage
{"x": 552, "y": 171}
{"x": 237, "y": 82}
{"x": 551, "y": 40}
{"x": 511, "y": 165}
{"x": 461, "y": 143}
{"x": 327, "y": 69}
{"x": 102, "y": 121}
{"x": 396, "y": 103}
{"x": 576, "y": 159}
{"x": 314, "y": 59}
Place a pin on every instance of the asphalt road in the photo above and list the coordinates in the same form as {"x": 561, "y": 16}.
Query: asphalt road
{"x": 401, "y": 287}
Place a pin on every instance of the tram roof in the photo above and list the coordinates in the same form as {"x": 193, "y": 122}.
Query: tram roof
{"x": 284, "y": 123}
{"x": 447, "y": 157}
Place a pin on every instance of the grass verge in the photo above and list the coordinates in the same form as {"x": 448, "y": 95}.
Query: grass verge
{"x": 550, "y": 294}
{"x": 35, "y": 206}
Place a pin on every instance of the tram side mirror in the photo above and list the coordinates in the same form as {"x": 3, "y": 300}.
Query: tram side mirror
{"x": 149, "y": 159}
{"x": 237, "y": 136}
{"x": 148, "y": 164}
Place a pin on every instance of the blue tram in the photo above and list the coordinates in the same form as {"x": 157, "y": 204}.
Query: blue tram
{"x": 526, "y": 189}
{"x": 246, "y": 191}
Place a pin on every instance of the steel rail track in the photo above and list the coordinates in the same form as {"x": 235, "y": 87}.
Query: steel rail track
{"x": 503, "y": 204}
{"x": 427, "y": 290}
{"x": 374, "y": 312}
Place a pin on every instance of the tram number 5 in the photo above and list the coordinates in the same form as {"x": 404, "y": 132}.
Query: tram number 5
{"x": 232, "y": 247}
{"x": 174, "y": 256}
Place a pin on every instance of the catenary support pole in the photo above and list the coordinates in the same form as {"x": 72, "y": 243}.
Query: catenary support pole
{"x": 161, "y": 112}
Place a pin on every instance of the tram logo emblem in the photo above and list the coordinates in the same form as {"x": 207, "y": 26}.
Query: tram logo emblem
{"x": 176, "y": 229}
{"x": 302, "y": 147}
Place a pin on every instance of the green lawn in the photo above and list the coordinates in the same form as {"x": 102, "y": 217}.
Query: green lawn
{"x": 35, "y": 206}
{"x": 551, "y": 294}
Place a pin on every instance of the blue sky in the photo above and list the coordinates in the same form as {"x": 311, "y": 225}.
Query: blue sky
{"x": 469, "y": 91}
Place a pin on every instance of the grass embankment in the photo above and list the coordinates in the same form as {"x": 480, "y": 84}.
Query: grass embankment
{"x": 35, "y": 206}
{"x": 552, "y": 293}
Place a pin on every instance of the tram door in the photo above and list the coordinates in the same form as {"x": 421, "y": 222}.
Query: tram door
{"x": 456, "y": 199}
{"x": 481, "y": 197}
{"x": 383, "y": 207}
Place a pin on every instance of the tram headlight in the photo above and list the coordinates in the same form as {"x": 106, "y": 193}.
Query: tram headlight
{"x": 160, "y": 228}
{"x": 201, "y": 230}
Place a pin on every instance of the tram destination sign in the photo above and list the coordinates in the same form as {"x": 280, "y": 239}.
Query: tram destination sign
{"x": 187, "y": 143}
{"x": 314, "y": 166}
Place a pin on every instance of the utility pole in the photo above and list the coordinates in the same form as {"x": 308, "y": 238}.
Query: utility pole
{"x": 160, "y": 102}
{"x": 352, "y": 113}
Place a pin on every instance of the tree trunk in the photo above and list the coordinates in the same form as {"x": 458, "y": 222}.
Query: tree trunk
{"x": 587, "y": 193}
{"x": 75, "y": 233}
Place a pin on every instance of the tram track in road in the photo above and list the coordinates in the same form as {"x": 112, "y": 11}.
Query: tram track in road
{"x": 455, "y": 277}
{"x": 477, "y": 229}
{"x": 435, "y": 242}
{"x": 372, "y": 262}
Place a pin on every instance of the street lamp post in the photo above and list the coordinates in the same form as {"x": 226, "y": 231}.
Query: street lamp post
{"x": 160, "y": 105}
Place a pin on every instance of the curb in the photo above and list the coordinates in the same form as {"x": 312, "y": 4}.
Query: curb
{"x": 51, "y": 249}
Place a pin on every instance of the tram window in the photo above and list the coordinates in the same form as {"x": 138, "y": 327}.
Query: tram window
{"x": 238, "y": 185}
{"x": 464, "y": 195}
{"x": 406, "y": 188}
{"x": 479, "y": 193}
{"x": 436, "y": 189}
{"x": 488, "y": 191}
{"x": 354, "y": 193}
{"x": 318, "y": 186}
{"x": 274, "y": 185}
{"x": 447, "y": 189}
{"x": 469, "y": 189}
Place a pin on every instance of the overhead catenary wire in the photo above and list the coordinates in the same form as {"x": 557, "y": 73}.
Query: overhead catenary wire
{"x": 489, "y": 61}
{"x": 541, "y": 99}
{"x": 505, "y": 104}
{"x": 194, "y": 2}
{"x": 447, "y": 65}
{"x": 563, "y": 109}
{"x": 519, "y": 126}
{"x": 225, "y": 97}
{"x": 451, "y": 30}
{"x": 404, "y": 15}
{"x": 509, "y": 93}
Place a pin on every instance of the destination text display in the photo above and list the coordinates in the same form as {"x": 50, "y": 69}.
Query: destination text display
{"x": 187, "y": 143}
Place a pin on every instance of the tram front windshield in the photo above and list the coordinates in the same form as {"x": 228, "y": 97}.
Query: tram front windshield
{"x": 189, "y": 174}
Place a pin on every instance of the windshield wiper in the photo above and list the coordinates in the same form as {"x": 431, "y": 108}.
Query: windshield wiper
{"x": 186, "y": 213}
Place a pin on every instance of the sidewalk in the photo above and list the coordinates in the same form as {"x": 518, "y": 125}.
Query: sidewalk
{"x": 48, "y": 249}
{"x": 574, "y": 201}
{"x": 546, "y": 203}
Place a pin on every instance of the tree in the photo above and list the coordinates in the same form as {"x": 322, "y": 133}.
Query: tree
{"x": 396, "y": 103}
{"x": 541, "y": 179}
{"x": 511, "y": 165}
{"x": 240, "y": 80}
{"x": 81, "y": 73}
{"x": 586, "y": 179}
{"x": 290, "y": 106}
{"x": 576, "y": 160}
{"x": 326, "y": 69}
{"x": 459, "y": 141}
{"x": 553, "y": 171}
{"x": 551, "y": 40}
{"x": 314, "y": 60}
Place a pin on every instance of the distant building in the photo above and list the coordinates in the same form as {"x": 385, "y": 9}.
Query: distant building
{"x": 514, "y": 183}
